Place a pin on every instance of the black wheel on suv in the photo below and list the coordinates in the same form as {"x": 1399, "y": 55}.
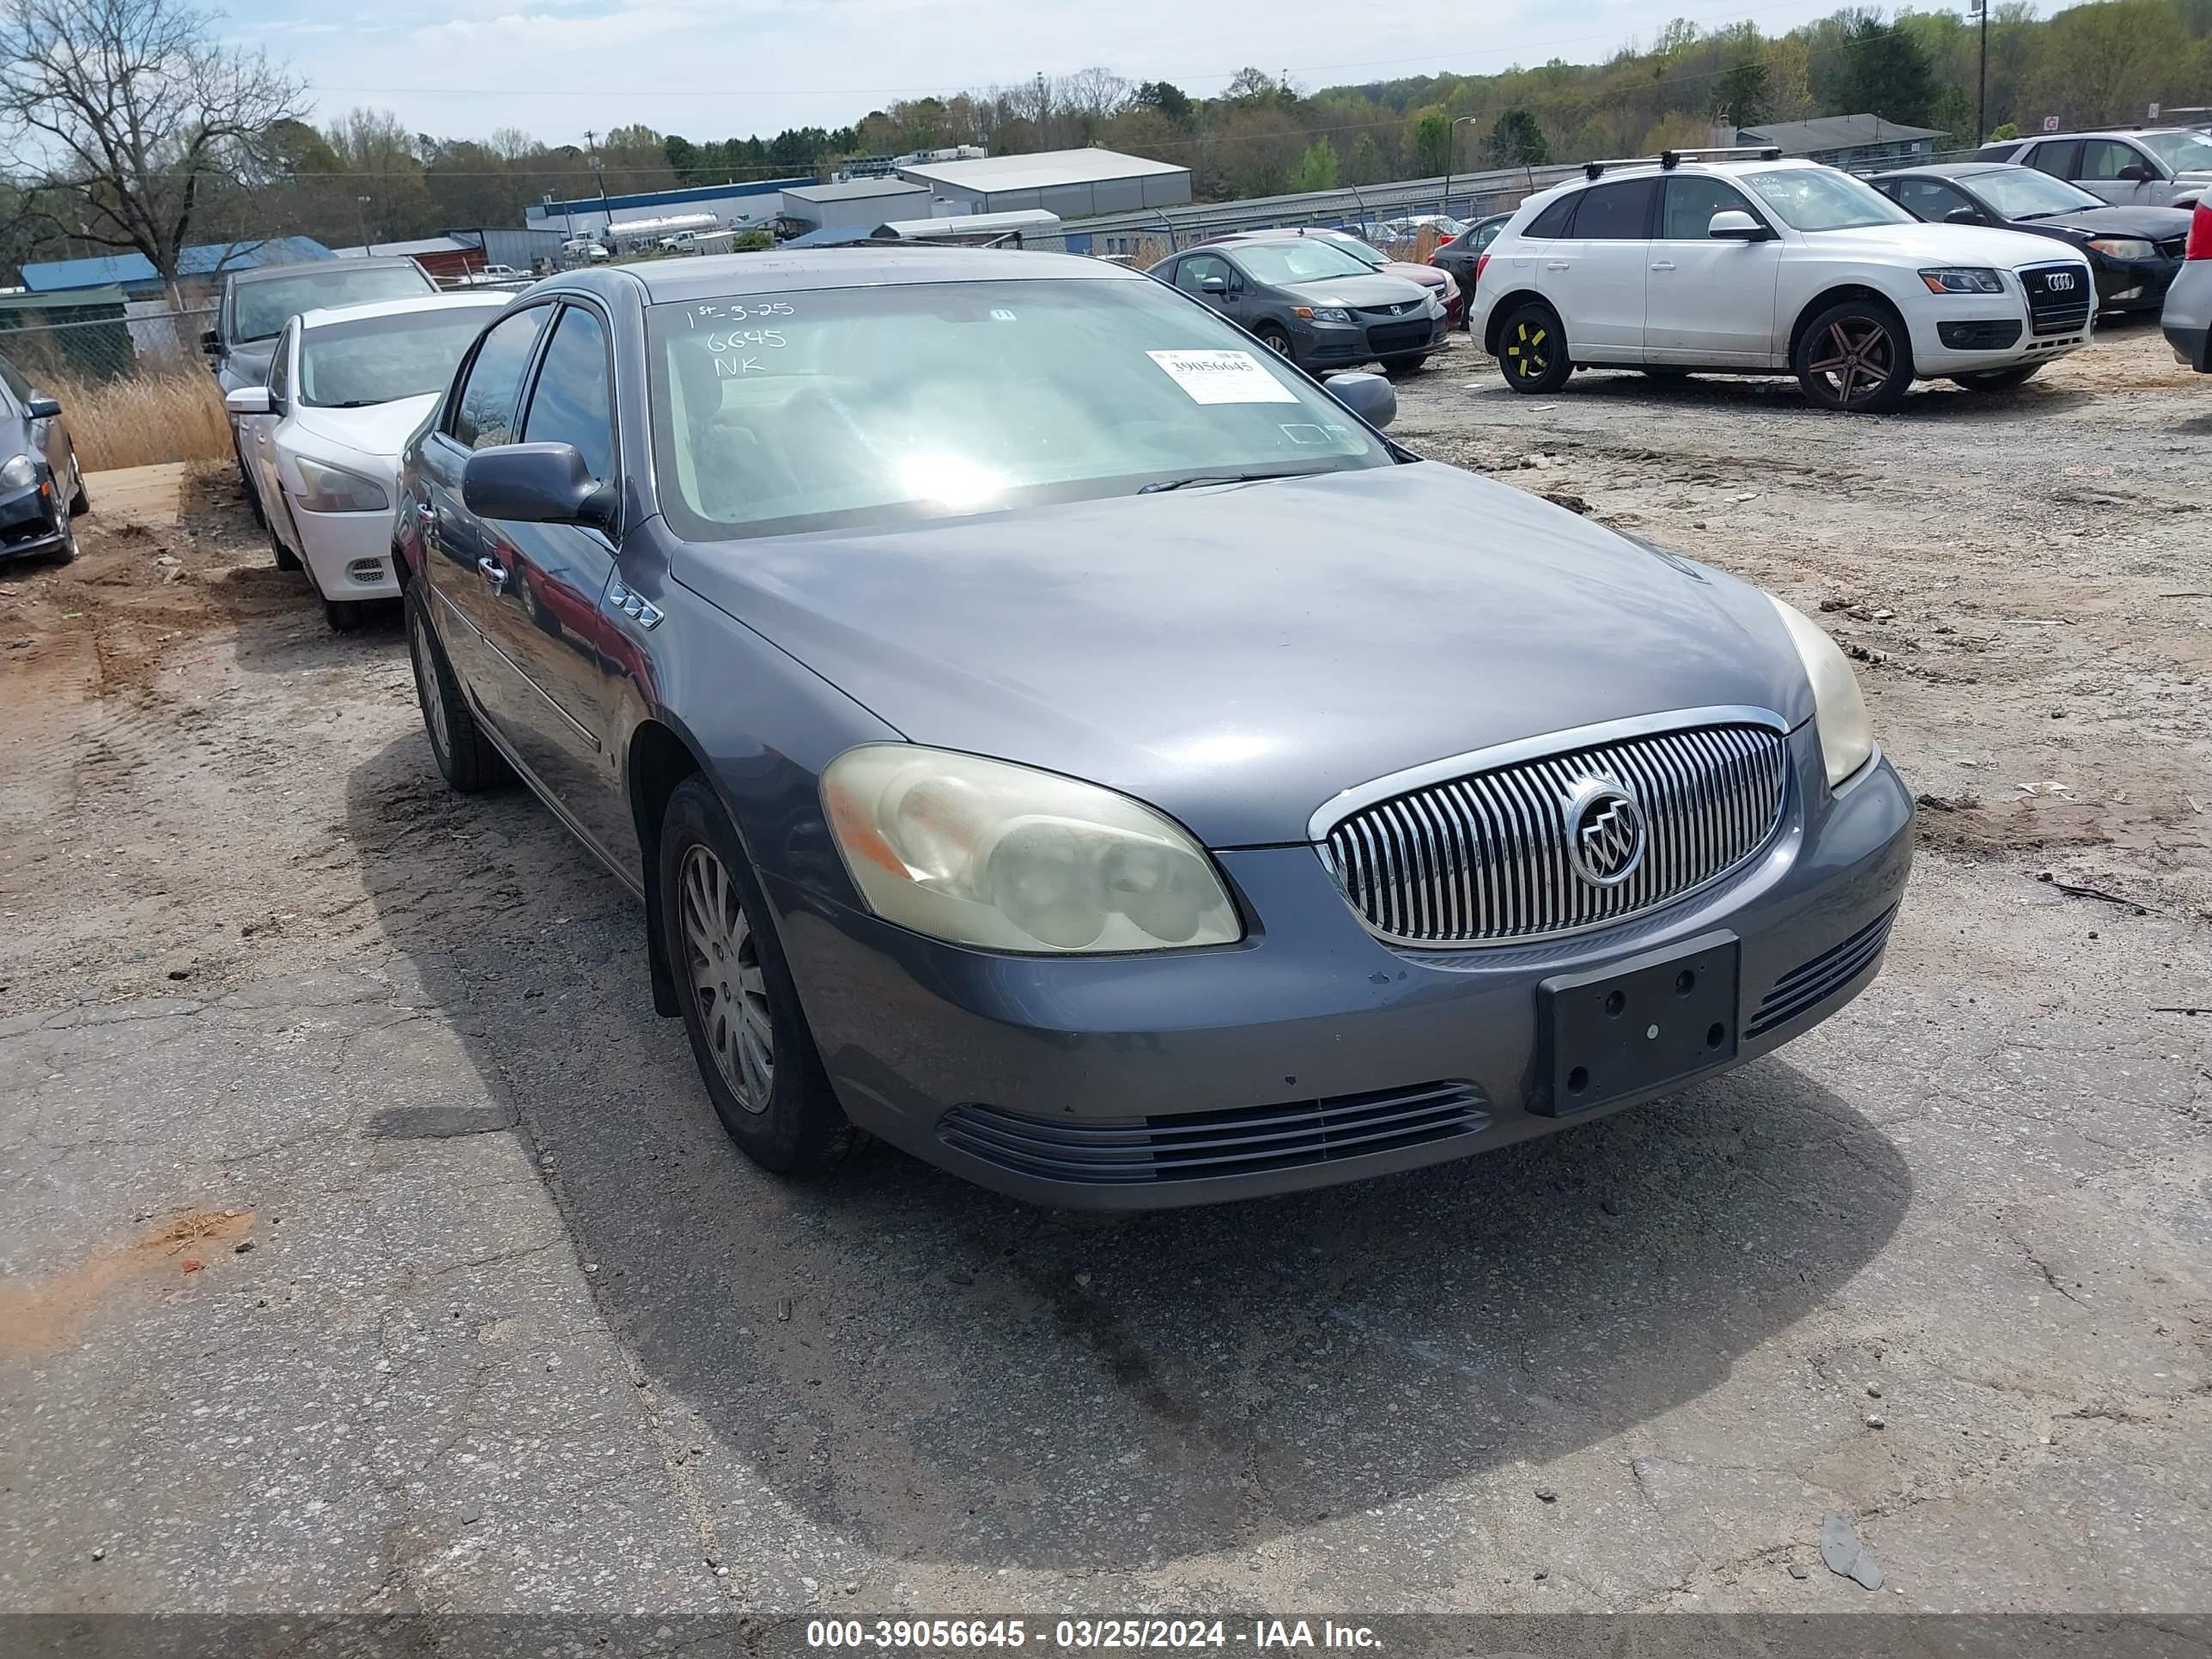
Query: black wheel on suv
{"x": 464, "y": 754}
{"x": 1532, "y": 349}
{"x": 1856, "y": 356}
{"x": 1997, "y": 379}
{"x": 741, "y": 1011}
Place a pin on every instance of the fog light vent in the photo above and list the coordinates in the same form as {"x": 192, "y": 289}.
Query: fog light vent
{"x": 366, "y": 570}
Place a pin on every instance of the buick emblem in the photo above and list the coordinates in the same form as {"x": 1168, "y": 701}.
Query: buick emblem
{"x": 1605, "y": 832}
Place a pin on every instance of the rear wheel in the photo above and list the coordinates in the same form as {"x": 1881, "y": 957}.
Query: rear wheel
{"x": 464, "y": 754}
{"x": 1532, "y": 349}
{"x": 1998, "y": 380}
{"x": 748, "y": 1037}
{"x": 1855, "y": 357}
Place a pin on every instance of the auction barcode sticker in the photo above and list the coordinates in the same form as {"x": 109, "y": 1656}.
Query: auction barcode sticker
{"x": 1222, "y": 377}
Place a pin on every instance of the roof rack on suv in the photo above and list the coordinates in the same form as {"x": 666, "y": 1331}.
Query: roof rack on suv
{"x": 1671, "y": 159}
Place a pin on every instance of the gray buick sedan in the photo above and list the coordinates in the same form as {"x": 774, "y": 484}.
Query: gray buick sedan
{"x": 995, "y": 674}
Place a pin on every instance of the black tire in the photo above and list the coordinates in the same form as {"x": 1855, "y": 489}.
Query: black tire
{"x": 79, "y": 502}
{"x": 245, "y": 480}
{"x": 66, "y": 552}
{"x": 1532, "y": 349}
{"x": 1409, "y": 364}
{"x": 464, "y": 754}
{"x": 1856, "y": 358}
{"x": 1998, "y": 380}
{"x": 344, "y": 616}
{"x": 1271, "y": 337}
{"x": 285, "y": 557}
{"x": 735, "y": 986}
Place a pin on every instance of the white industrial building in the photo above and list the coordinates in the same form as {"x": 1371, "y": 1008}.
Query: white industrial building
{"x": 857, "y": 204}
{"x": 1071, "y": 183}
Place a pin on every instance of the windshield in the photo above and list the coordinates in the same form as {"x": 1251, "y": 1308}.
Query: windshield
{"x": 1359, "y": 249}
{"x": 2183, "y": 152}
{"x": 1306, "y": 260}
{"x": 376, "y": 359}
{"x": 851, "y": 406}
{"x": 1820, "y": 199}
{"x": 2016, "y": 192}
{"x": 259, "y": 310}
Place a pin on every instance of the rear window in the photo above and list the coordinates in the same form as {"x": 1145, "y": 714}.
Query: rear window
{"x": 1617, "y": 212}
{"x": 1552, "y": 220}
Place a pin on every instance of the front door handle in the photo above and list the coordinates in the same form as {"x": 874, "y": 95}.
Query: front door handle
{"x": 493, "y": 572}
{"x": 1556, "y": 264}
{"x": 1662, "y": 264}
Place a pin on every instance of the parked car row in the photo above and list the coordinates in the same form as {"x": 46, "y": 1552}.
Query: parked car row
{"x": 1314, "y": 298}
{"x": 42, "y": 493}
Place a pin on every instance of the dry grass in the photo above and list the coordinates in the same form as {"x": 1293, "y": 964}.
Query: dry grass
{"x": 163, "y": 414}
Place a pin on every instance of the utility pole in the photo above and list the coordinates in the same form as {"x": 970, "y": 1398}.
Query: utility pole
{"x": 599, "y": 165}
{"x": 1982, "y": 80}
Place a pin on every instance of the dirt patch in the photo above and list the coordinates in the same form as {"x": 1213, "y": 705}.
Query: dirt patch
{"x": 42, "y": 1315}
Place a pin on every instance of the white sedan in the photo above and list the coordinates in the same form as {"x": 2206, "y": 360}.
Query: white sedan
{"x": 321, "y": 438}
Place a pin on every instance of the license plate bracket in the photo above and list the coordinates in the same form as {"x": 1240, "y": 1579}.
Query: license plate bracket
{"x": 1636, "y": 1027}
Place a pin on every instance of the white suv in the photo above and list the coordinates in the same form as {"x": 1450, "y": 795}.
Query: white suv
{"x": 1754, "y": 266}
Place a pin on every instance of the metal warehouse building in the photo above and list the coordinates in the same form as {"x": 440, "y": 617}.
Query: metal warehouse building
{"x": 1071, "y": 183}
{"x": 754, "y": 202}
{"x": 859, "y": 204}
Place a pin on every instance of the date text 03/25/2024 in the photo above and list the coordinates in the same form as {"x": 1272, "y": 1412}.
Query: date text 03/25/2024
{"x": 947, "y": 1635}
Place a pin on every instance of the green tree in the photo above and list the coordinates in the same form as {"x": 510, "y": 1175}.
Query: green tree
{"x": 1742, "y": 96}
{"x": 1432, "y": 137}
{"x": 1885, "y": 73}
{"x": 1517, "y": 141}
{"x": 1169, "y": 100}
{"x": 1316, "y": 167}
{"x": 1369, "y": 165}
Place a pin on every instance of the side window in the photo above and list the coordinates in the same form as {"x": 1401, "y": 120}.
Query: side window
{"x": 1553, "y": 220}
{"x": 280, "y": 364}
{"x": 1483, "y": 235}
{"x": 1925, "y": 198}
{"x": 1191, "y": 274}
{"x": 484, "y": 414}
{"x": 12, "y": 378}
{"x": 1691, "y": 203}
{"x": 2057, "y": 160}
{"x": 1617, "y": 212}
{"x": 570, "y": 404}
{"x": 2104, "y": 159}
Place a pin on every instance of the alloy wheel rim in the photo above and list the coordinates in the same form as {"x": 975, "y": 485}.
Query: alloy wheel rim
{"x": 426, "y": 688}
{"x": 1278, "y": 343}
{"x": 1526, "y": 350}
{"x": 722, "y": 956}
{"x": 1857, "y": 357}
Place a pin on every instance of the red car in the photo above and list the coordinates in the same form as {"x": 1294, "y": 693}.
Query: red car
{"x": 1428, "y": 277}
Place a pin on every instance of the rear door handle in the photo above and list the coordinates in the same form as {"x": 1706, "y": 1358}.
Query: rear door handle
{"x": 1662, "y": 264}
{"x": 493, "y": 572}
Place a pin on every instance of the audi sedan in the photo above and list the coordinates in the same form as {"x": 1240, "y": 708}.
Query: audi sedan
{"x": 976, "y": 663}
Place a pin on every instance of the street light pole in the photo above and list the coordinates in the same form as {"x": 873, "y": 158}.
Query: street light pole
{"x": 1451, "y": 156}
{"x": 361, "y": 219}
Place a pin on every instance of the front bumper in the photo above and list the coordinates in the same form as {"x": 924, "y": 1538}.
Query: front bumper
{"x": 1340, "y": 346}
{"x": 2133, "y": 285}
{"x": 331, "y": 544}
{"x": 957, "y": 1055}
{"x": 30, "y": 522}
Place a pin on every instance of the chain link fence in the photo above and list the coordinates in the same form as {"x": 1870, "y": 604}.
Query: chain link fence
{"x": 132, "y": 383}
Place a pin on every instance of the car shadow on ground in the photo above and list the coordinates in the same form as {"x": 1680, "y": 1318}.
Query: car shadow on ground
{"x": 939, "y": 1374}
{"x": 1929, "y": 401}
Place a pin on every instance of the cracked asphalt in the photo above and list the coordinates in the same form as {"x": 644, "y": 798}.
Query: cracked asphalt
{"x": 366, "y": 1245}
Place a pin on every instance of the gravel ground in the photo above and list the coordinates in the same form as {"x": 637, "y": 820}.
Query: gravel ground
{"x": 366, "y": 1244}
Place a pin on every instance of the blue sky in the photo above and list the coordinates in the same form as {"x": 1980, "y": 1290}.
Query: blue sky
{"x": 712, "y": 69}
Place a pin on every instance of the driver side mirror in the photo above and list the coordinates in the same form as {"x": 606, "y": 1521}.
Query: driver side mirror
{"x": 536, "y": 483}
{"x": 1734, "y": 225}
{"x": 210, "y": 342}
{"x": 2135, "y": 173}
{"x": 248, "y": 400}
{"x": 1370, "y": 397}
{"x": 1213, "y": 285}
{"x": 40, "y": 407}
{"x": 1962, "y": 215}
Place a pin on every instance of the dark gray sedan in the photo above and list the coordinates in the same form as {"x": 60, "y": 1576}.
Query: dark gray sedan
{"x": 41, "y": 486}
{"x": 1313, "y": 302}
{"x": 979, "y": 665}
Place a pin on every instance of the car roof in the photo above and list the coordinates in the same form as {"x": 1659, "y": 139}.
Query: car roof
{"x": 1686, "y": 168}
{"x": 1958, "y": 170}
{"x": 712, "y": 275}
{"x": 292, "y": 268}
{"x": 319, "y": 316}
{"x": 2091, "y": 132}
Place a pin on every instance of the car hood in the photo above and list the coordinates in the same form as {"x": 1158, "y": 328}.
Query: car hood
{"x": 1372, "y": 288}
{"x": 1943, "y": 244}
{"x": 2159, "y": 224}
{"x": 1239, "y": 656}
{"x": 381, "y": 429}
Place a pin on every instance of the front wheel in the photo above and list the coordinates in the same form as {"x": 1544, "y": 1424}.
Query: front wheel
{"x": 1532, "y": 349}
{"x": 1997, "y": 379}
{"x": 79, "y": 502}
{"x": 1855, "y": 357}
{"x": 1274, "y": 339}
{"x": 344, "y": 616}
{"x": 1409, "y": 364}
{"x": 748, "y": 1037}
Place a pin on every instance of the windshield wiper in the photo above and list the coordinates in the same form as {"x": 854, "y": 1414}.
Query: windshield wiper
{"x": 2048, "y": 213}
{"x": 1166, "y": 484}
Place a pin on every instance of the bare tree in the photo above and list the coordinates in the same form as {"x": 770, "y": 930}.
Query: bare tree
{"x": 124, "y": 114}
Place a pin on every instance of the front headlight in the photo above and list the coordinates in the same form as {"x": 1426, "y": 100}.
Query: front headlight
{"x": 985, "y": 853}
{"x": 1962, "y": 279}
{"x": 1840, "y": 713}
{"x": 1323, "y": 314}
{"x": 20, "y": 473}
{"x": 2122, "y": 247}
{"x": 333, "y": 489}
